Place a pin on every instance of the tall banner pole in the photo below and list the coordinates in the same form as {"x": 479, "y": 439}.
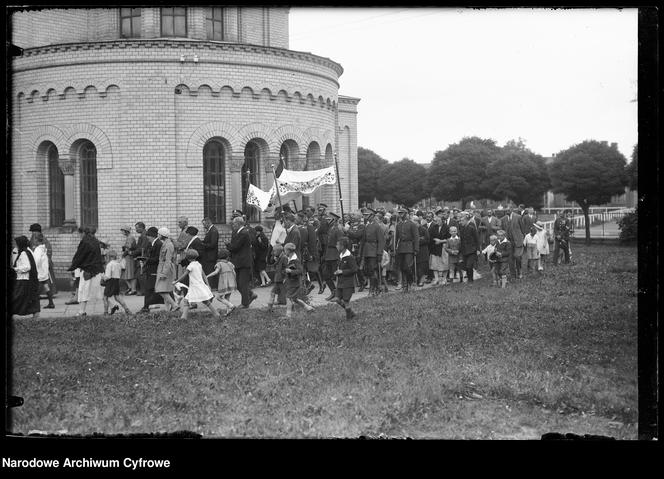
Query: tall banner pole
{"x": 276, "y": 186}
{"x": 341, "y": 200}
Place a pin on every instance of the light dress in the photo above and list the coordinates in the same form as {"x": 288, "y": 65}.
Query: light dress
{"x": 198, "y": 290}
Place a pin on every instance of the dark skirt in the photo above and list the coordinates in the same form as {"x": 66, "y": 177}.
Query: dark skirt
{"x": 293, "y": 289}
{"x": 112, "y": 287}
{"x": 25, "y": 298}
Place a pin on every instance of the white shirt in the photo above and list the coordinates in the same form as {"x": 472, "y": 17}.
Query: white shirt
{"x": 278, "y": 234}
{"x": 344, "y": 254}
{"x": 22, "y": 267}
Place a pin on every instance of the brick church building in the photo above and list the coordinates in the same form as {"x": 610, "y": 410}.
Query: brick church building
{"x": 121, "y": 115}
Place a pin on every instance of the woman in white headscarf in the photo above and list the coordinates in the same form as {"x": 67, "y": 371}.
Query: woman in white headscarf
{"x": 166, "y": 271}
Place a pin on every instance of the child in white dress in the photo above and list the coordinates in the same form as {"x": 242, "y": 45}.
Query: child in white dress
{"x": 199, "y": 288}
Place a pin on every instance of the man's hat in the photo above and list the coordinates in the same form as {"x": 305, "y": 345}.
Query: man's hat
{"x": 322, "y": 205}
{"x": 402, "y": 209}
{"x": 125, "y": 228}
{"x": 370, "y": 212}
{"x": 439, "y": 210}
{"x": 163, "y": 231}
{"x": 152, "y": 231}
{"x": 35, "y": 227}
{"x": 236, "y": 213}
{"x": 539, "y": 225}
{"x": 191, "y": 230}
{"x": 333, "y": 216}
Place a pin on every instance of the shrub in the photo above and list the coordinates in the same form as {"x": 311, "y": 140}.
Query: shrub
{"x": 628, "y": 227}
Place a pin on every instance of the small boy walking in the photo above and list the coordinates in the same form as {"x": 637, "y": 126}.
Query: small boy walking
{"x": 280, "y": 263}
{"x": 111, "y": 276}
{"x": 345, "y": 273}
{"x": 452, "y": 249}
{"x": 293, "y": 280}
{"x": 503, "y": 252}
{"x": 199, "y": 288}
{"x": 227, "y": 282}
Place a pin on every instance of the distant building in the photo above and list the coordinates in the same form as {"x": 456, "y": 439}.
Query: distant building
{"x": 121, "y": 115}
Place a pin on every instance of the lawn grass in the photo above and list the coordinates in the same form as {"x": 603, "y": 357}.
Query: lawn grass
{"x": 550, "y": 353}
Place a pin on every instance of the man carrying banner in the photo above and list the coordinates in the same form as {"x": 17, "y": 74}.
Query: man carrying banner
{"x": 331, "y": 254}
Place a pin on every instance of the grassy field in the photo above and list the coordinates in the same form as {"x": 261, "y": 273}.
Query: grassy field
{"x": 555, "y": 353}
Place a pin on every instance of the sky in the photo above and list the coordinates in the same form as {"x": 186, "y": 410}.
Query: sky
{"x": 427, "y": 77}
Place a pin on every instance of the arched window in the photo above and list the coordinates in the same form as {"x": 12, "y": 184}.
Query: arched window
{"x": 214, "y": 182}
{"x": 89, "y": 207}
{"x": 250, "y": 175}
{"x": 286, "y": 153}
{"x": 174, "y": 22}
{"x": 56, "y": 188}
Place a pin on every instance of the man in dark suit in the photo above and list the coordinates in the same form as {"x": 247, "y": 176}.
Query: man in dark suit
{"x": 242, "y": 259}
{"x": 469, "y": 250}
{"x": 528, "y": 220}
{"x": 293, "y": 233}
{"x": 512, "y": 224}
{"x": 210, "y": 250}
{"x": 150, "y": 269}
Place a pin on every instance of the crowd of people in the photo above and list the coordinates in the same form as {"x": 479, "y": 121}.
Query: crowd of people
{"x": 372, "y": 249}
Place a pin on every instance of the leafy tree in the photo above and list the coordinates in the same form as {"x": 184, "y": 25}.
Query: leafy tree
{"x": 518, "y": 174}
{"x": 589, "y": 173}
{"x": 402, "y": 182}
{"x": 369, "y": 165}
{"x": 628, "y": 226}
{"x": 632, "y": 170}
{"x": 459, "y": 172}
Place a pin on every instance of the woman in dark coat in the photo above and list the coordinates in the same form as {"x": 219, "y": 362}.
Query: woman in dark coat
{"x": 25, "y": 297}
{"x": 88, "y": 259}
{"x": 423, "y": 253}
{"x": 261, "y": 247}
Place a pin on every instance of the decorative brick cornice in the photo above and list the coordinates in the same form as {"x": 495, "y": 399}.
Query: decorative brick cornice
{"x": 188, "y": 44}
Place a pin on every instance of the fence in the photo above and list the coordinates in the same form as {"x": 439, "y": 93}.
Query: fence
{"x": 608, "y": 215}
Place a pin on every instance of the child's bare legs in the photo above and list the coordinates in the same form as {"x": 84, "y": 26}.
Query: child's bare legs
{"x": 208, "y": 303}
{"x": 169, "y": 301}
{"x": 265, "y": 279}
{"x": 289, "y": 308}
{"x": 271, "y": 301}
{"x": 105, "y": 304}
{"x": 122, "y": 303}
{"x": 224, "y": 299}
{"x": 185, "y": 309}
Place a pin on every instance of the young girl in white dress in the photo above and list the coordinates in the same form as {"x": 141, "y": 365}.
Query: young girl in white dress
{"x": 199, "y": 288}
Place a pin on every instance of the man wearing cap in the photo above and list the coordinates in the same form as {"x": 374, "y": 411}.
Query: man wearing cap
{"x": 150, "y": 269}
{"x": 181, "y": 242}
{"x": 331, "y": 257}
{"x": 36, "y": 228}
{"x": 373, "y": 243}
{"x": 210, "y": 250}
{"x": 322, "y": 232}
{"x": 242, "y": 259}
{"x": 355, "y": 234}
{"x": 308, "y": 248}
{"x": 407, "y": 247}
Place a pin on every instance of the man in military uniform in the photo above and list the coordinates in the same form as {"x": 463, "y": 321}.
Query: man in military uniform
{"x": 331, "y": 257}
{"x": 308, "y": 249}
{"x": 355, "y": 234}
{"x": 321, "y": 236}
{"x": 373, "y": 243}
{"x": 407, "y": 247}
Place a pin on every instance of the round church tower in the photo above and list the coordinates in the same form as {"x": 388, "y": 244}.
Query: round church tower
{"x": 146, "y": 114}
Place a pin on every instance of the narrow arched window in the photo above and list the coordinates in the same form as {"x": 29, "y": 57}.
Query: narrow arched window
{"x": 250, "y": 175}
{"x": 214, "y": 182}
{"x": 89, "y": 206}
{"x": 56, "y": 188}
{"x": 284, "y": 156}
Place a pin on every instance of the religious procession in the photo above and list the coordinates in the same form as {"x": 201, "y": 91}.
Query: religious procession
{"x": 376, "y": 249}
